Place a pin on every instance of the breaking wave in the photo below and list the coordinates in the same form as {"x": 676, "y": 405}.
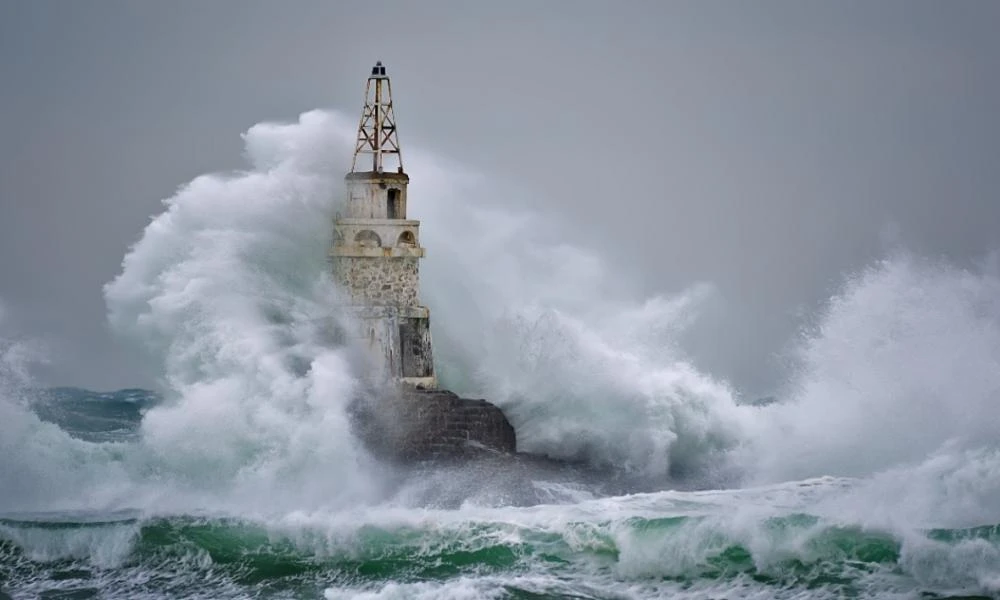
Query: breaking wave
{"x": 229, "y": 291}
{"x": 903, "y": 363}
{"x": 672, "y": 544}
{"x": 531, "y": 323}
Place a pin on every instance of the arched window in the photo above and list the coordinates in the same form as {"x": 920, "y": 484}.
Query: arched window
{"x": 368, "y": 239}
{"x": 407, "y": 239}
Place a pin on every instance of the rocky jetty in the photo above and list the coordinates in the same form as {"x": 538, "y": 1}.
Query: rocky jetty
{"x": 414, "y": 425}
{"x": 444, "y": 450}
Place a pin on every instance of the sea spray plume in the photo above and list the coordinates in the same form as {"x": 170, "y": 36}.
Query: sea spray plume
{"x": 228, "y": 287}
{"x": 230, "y": 291}
{"x": 551, "y": 334}
{"x": 17, "y": 355}
{"x": 905, "y": 359}
{"x": 41, "y": 466}
{"x": 952, "y": 488}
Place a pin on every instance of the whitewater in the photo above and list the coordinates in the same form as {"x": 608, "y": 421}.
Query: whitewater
{"x": 873, "y": 473}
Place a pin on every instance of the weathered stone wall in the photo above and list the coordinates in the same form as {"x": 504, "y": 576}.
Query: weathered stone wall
{"x": 423, "y": 425}
{"x": 379, "y": 280}
{"x": 368, "y": 194}
{"x": 399, "y": 343}
{"x": 416, "y": 359}
{"x": 375, "y": 257}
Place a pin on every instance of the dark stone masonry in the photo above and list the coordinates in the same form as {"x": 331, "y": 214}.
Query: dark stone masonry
{"x": 419, "y": 425}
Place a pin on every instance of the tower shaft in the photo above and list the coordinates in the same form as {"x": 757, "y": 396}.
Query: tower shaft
{"x": 376, "y": 250}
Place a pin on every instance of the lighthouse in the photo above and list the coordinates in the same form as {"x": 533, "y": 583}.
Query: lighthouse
{"x": 376, "y": 249}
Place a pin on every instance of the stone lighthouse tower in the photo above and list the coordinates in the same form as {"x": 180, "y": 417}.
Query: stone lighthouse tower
{"x": 376, "y": 249}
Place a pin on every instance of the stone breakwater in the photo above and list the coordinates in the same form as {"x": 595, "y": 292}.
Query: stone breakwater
{"x": 417, "y": 425}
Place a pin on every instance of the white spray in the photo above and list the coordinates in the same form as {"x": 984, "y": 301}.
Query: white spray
{"x": 229, "y": 289}
{"x": 904, "y": 361}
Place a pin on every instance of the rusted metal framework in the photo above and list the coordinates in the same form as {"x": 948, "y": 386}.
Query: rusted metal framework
{"x": 377, "y": 130}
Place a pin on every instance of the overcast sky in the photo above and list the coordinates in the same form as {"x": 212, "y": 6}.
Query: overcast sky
{"x": 767, "y": 147}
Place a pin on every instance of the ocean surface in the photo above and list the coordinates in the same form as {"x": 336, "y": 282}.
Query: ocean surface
{"x": 789, "y": 540}
{"x": 873, "y": 472}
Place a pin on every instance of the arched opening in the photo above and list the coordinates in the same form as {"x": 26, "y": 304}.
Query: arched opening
{"x": 394, "y": 207}
{"x": 407, "y": 239}
{"x": 368, "y": 239}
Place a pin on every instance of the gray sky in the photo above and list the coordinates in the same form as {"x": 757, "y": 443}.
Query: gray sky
{"x": 771, "y": 145}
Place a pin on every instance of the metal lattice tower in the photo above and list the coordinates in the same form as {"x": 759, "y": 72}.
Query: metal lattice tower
{"x": 377, "y": 130}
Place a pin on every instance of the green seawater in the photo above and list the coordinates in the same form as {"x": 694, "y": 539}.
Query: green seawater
{"x": 700, "y": 544}
{"x": 196, "y": 557}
